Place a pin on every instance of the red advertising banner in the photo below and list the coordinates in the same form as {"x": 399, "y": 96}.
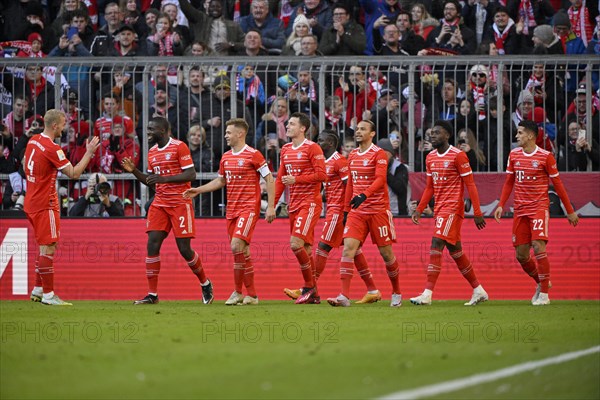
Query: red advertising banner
{"x": 103, "y": 259}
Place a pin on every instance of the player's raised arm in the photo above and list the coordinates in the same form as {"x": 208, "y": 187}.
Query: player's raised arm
{"x": 74, "y": 172}
{"x": 130, "y": 167}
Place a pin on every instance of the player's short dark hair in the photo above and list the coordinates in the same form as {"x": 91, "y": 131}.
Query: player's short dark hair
{"x": 529, "y": 125}
{"x": 303, "y": 119}
{"x": 445, "y": 125}
{"x": 162, "y": 123}
{"x": 332, "y": 136}
{"x": 238, "y": 123}
{"x": 371, "y": 124}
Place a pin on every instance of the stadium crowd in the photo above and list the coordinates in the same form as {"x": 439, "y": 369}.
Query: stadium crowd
{"x": 199, "y": 98}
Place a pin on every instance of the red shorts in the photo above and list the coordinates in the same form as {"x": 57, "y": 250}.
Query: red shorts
{"x": 333, "y": 230}
{"x": 242, "y": 226}
{"x": 530, "y": 227}
{"x": 447, "y": 227}
{"x": 380, "y": 226}
{"x": 180, "y": 219}
{"x": 303, "y": 222}
{"x": 46, "y": 226}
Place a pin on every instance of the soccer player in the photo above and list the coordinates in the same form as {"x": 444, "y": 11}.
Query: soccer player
{"x": 448, "y": 171}
{"x": 302, "y": 169}
{"x": 43, "y": 159}
{"x": 367, "y": 194}
{"x": 528, "y": 169}
{"x": 171, "y": 170}
{"x": 240, "y": 170}
{"x": 336, "y": 167}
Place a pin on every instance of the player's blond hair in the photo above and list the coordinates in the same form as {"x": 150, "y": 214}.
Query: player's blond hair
{"x": 53, "y": 116}
{"x": 238, "y": 123}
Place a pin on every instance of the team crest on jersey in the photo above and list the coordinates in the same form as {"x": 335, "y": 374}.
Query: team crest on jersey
{"x": 345, "y": 229}
{"x": 168, "y": 156}
{"x": 327, "y": 170}
{"x": 365, "y": 162}
{"x": 517, "y": 164}
{"x": 240, "y": 163}
{"x": 535, "y": 164}
{"x": 299, "y": 156}
{"x": 446, "y": 163}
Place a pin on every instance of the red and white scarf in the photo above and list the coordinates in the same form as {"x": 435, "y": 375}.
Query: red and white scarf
{"x": 580, "y": 21}
{"x": 333, "y": 120}
{"x": 281, "y": 129}
{"x": 443, "y": 21}
{"x": 526, "y": 14}
{"x": 534, "y": 82}
{"x": 251, "y": 88}
{"x": 478, "y": 96}
{"x": 500, "y": 37}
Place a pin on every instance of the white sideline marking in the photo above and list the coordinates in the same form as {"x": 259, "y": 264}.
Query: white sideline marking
{"x": 478, "y": 379}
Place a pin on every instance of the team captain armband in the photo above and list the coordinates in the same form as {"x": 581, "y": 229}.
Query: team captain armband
{"x": 264, "y": 170}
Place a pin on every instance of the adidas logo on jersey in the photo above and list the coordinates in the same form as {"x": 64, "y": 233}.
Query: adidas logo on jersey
{"x": 184, "y": 232}
{"x": 438, "y": 232}
{"x": 297, "y": 231}
{"x": 238, "y": 233}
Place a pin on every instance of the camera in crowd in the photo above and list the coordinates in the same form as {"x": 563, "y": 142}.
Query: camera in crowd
{"x": 102, "y": 188}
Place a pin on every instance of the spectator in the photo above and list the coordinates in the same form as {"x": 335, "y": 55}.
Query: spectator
{"x": 302, "y": 95}
{"x": 179, "y": 24}
{"x": 581, "y": 18}
{"x": 479, "y": 90}
{"x": 452, "y": 35}
{"x": 479, "y": 16}
{"x": 203, "y": 158}
{"x": 163, "y": 107}
{"x": 38, "y": 91}
{"x": 577, "y": 111}
{"x": 491, "y": 152}
{"x": 250, "y": 89}
{"x": 111, "y": 106}
{"x": 279, "y": 114}
{"x": 546, "y": 90}
{"x": 397, "y": 179}
{"x": 423, "y": 23}
{"x": 345, "y": 37}
{"x": 271, "y": 29}
{"x": 63, "y": 19}
{"x": 390, "y": 45}
{"x": 31, "y": 48}
{"x": 224, "y": 37}
{"x": 15, "y": 120}
{"x": 253, "y": 45}
{"x": 219, "y": 111}
{"x": 149, "y": 26}
{"x": 451, "y": 96}
{"x": 503, "y": 33}
{"x": 380, "y": 12}
{"x": 197, "y": 49}
{"x": 104, "y": 42}
{"x": 270, "y": 144}
{"x": 423, "y": 147}
{"x": 309, "y": 46}
{"x": 544, "y": 37}
{"x": 572, "y": 45}
{"x": 318, "y": 13}
{"x": 467, "y": 142}
{"x": 529, "y": 14}
{"x": 119, "y": 146}
{"x": 165, "y": 42}
{"x": 356, "y": 94}
{"x": 194, "y": 97}
{"x": 23, "y": 15}
{"x": 70, "y": 106}
{"x": 386, "y": 112}
{"x": 334, "y": 117}
{"x": 293, "y": 45}
{"x": 122, "y": 87}
{"x": 348, "y": 145}
{"x": 98, "y": 200}
{"x": 159, "y": 77}
{"x": 578, "y": 150}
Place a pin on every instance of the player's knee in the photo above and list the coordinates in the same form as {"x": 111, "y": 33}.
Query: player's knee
{"x": 296, "y": 243}
{"x": 522, "y": 256}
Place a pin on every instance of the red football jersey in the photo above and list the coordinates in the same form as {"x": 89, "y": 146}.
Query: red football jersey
{"x": 366, "y": 172}
{"x": 446, "y": 171}
{"x": 43, "y": 160}
{"x": 242, "y": 171}
{"x": 336, "y": 168}
{"x": 104, "y": 127}
{"x": 168, "y": 161}
{"x": 303, "y": 162}
{"x": 532, "y": 172}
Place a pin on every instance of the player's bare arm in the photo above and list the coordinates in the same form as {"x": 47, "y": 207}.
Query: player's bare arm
{"x": 129, "y": 166}
{"x": 288, "y": 180}
{"x": 498, "y": 214}
{"x": 479, "y": 222}
{"x": 270, "y": 214}
{"x": 415, "y": 217}
{"x": 573, "y": 219}
{"x": 215, "y": 184}
{"x": 75, "y": 172}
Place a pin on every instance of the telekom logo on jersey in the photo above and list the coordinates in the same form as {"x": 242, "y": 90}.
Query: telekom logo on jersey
{"x": 520, "y": 175}
{"x": 14, "y": 247}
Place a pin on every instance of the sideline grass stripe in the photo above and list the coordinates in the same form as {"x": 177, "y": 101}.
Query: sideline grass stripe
{"x": 473, "y": 380}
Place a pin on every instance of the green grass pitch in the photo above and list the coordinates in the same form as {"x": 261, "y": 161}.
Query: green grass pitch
{"x": 100, "y": 349}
